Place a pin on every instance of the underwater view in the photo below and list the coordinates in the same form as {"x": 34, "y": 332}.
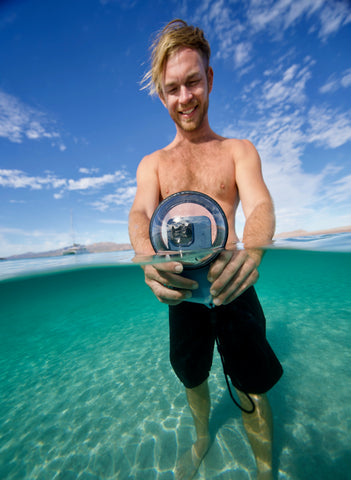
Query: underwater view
{"x": 87, "y": 391}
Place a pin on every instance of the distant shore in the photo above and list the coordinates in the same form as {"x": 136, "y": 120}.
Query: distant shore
{"x": 103, "y": 247}
{"x": 304, "y": 233}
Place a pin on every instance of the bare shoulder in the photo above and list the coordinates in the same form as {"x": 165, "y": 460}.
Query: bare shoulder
{"x": 242, "y": 150}
{"x": 149, "y": 162}
{"x": 149, "y": 166}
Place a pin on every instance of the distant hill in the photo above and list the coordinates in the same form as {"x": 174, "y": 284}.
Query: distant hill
{"x": 119, "y": 247}
{"x": 304, "y": 233}
{"x": 93, "y": 248}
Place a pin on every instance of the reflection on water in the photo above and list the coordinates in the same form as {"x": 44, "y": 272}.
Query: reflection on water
{"x": 87, "y": 391}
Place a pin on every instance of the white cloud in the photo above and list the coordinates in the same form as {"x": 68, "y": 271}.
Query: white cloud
{"x": 242, "y": 53}
{"x": 290, "y": 88}
{"x": 123, "y": 196}
{"x": 333, "y": 83}
{"x": 236, "y": 39}
{"x": 277, "y": 16}
{"x": 19, "y": 179}
{"x": 113, "y": 221}
{"x": 340, "y": 190}
{"x": 328, "y": 127}
{"x": 346, "y": 79}
{"x": 333, "y": 16}
{"x": 18, "y": 241}
{"x": 88, "y": 171}
{"x": 19, "y": 121}
{"x": 86, "y": 183}
{"x": 300, "y": 196}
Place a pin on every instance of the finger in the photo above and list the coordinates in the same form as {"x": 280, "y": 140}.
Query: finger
{"x": 175, "y": 267}
{"x": 243, "y": 287}
{"x": 167, "y": 279}
{"x": 219, "y": 265}
{"x": 229, "y": 275}
{"x": 178, "y": 282}
{"x": 242, "y": 270}
{"x": 168, "y": 295}
{"x": 234, "y": 290}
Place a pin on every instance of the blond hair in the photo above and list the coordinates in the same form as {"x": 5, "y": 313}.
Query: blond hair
{"x": 172, "y": 37}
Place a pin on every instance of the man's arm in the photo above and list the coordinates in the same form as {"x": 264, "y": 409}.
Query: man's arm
{"x": 163, "y": 279}
{"x": 236, "y": 271}
{"x": 145, "y": 202}
{"x": 256, "y": 202}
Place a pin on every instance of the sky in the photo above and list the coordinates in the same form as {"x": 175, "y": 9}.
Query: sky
{"x": 74, "y": 123}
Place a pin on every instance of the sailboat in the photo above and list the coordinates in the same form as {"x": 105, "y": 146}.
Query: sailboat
{"x": 75, "y": 248}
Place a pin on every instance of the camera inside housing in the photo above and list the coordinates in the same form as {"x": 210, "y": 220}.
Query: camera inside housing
{"x": 181, "y": 234}
{"x": 189, "y": 233}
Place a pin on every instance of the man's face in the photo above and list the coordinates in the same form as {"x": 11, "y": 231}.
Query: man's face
{"x": 186, "y": 88}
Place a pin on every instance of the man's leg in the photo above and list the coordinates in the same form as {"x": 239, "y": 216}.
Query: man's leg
{"x": 259, "y": 429}
{"x": 200, "y": 405}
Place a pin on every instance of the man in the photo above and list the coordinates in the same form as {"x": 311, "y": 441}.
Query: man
{"x": 228, "y": 170}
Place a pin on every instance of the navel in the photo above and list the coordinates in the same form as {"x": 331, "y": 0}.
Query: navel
{"x": 222, "y": 186}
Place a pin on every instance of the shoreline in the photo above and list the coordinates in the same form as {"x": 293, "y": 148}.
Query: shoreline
{"x": 305, "y": 233}
{"x": 105, "y": 247}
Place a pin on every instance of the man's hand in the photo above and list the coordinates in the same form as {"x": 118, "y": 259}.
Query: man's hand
{"x": 166, "y": 283}
{"x": 231, "y": 274}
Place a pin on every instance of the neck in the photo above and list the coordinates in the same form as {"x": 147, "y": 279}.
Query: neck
{"x": 201, "y": 134}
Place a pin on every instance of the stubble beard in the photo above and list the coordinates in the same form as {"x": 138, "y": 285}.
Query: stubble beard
{"x": 192, "y": 124}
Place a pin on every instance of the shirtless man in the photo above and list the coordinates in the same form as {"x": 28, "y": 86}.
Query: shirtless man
{"x": 228, "y": 170}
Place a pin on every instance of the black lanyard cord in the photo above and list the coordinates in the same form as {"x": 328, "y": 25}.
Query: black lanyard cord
{"x": 228, "y": 384}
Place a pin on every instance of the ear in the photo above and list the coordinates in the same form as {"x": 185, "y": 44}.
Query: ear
{"x": 210, "y": 79}
{"x": 161, "y": 97}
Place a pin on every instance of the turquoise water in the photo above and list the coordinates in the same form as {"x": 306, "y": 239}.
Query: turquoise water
{"x": 87, "y": 391}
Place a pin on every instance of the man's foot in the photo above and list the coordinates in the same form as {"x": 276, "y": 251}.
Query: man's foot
{"x": 189, "y": 463}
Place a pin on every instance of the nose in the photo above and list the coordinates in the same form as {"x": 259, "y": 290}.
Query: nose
{"x": 185, "y": 94}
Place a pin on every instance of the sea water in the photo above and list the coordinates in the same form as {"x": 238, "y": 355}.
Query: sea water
{"x": 87, "y": 392}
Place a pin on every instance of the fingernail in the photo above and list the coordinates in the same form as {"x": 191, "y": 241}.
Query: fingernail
{"x": 213, "y": 292}
{"x": 217, "y": 302}
{"x": 178, "y": 268}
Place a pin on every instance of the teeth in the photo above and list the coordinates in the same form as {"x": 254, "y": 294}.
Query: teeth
{"x": 186, "y": 112}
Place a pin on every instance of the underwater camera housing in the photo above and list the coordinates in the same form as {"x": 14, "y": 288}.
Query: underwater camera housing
{"x": 191, "y": 227}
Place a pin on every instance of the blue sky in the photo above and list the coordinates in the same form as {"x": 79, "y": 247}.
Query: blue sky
{"x": 74, "y": 124}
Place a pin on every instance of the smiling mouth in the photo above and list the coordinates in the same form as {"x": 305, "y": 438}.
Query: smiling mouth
{"x": 189, "y": 111}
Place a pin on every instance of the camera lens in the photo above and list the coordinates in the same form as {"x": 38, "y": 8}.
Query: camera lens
{"x": 181, "y": 234}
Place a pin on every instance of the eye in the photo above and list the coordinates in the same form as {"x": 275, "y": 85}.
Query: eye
{"x": 171, "y": 91}
{"x": 193, "y": 83}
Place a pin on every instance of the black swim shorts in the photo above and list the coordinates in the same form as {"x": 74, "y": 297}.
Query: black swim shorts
{"x": 240, "y": 328}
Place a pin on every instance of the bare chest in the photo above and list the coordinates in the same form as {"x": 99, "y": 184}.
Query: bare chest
{"x": 213, "y": 174}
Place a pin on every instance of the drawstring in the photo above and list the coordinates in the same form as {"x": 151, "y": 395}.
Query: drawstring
{"x": 230, "y": 390}
{"x": 226, "y": 376}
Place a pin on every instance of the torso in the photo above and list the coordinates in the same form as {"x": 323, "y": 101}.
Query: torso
{"x": 208, "y": 167}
